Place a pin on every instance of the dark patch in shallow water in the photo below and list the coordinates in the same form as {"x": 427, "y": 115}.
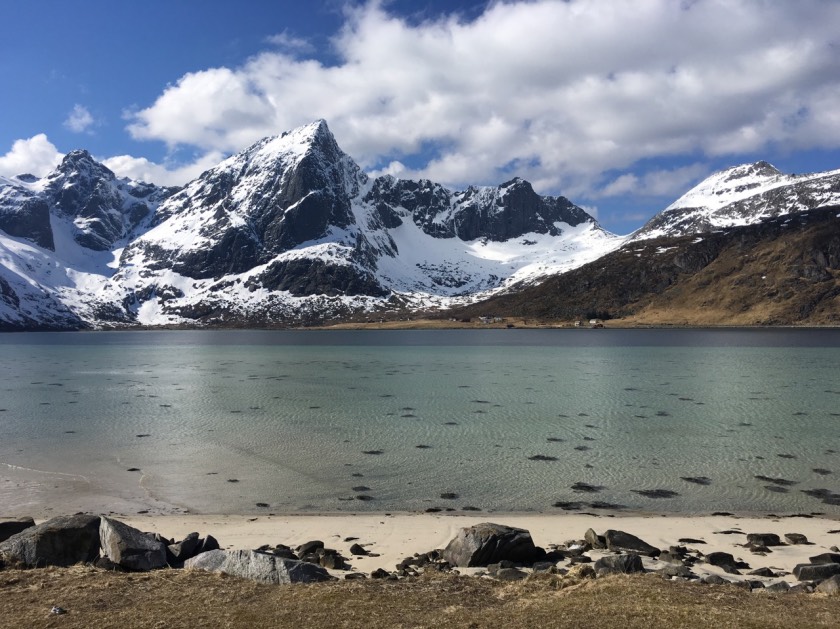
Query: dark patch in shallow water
{"x": 655, "y": 493}
{"x": 697, "y": 480}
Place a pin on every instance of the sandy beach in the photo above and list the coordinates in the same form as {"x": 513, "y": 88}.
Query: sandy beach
{"x": 392, "y": 537}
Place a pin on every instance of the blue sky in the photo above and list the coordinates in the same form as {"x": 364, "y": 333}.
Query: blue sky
{"x": 621, "y": 106}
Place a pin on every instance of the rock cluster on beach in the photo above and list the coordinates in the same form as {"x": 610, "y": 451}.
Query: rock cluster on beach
{"x": 486, "y": 549}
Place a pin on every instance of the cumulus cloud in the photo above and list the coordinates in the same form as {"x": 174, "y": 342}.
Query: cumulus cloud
{"x": 142, "y": 169}
{"x": 559, "y": 92}
{"x": 36, "y": 156}
{"x": 79, "y": 119}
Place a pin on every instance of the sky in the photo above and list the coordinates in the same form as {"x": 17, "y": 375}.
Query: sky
{"x": 619, "y": 105}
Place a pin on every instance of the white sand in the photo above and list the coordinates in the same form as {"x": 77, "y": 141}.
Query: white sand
{"x": 394, "y": 537}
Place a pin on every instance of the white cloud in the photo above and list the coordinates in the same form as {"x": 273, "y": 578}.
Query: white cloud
{"x": 79, "y": 119}
{"x": 36, "y": 156}
{"x": 141, "y": 169}
{"x": 290, "y": 43}
{"x": 558, "y": 92}
{"x": 654, "y": 183}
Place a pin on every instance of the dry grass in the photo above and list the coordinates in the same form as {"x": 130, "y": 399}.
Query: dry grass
{"x": 171, "y": 598}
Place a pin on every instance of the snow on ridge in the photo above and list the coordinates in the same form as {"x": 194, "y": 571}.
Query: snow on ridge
{"x": 738, "y": 183}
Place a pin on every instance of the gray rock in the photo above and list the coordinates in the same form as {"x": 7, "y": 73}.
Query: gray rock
{"x": 825, "y": 558}
{"x": 544, "y": 566}
{"x": 13, "y": 526}
{"x": 625, "y": 542}
{"x": 830, "y": 586}
{"x": 595, "y": 540}
{"x": 671, "y": 558}
{"x": 209, "y": 543}
{"x": 801, "y": 588}
{"x": 624, "y": 564}
{"x": 778, "y": 587}
{"x": 795, "y": 538}
{"x": 185, "y": 549}
{"x": 720, "y": 559}
{"x": 510, "y": 574}
{"x": 260, "y": 567}
{"x": 763, "y": 539}
{"x": 358, "y": 550}
{"x": 309, "y": 547}
{"x": 714, "y": 579}
{"x": 815, "y": 572}
{"x": 61, "y": 541}
{"x": 762, "y": 572}
{"x": 129, "y": 547}
{"x": 488, "y": 543}
{"x": 677, "y": 571}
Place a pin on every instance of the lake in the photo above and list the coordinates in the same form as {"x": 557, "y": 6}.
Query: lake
{"x": 682, "y": 421}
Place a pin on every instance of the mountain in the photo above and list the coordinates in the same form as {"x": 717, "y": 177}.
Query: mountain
{"x": 783, "y": 270}
{"x": 290, "y": 230}
{"x": 742, "y": 195}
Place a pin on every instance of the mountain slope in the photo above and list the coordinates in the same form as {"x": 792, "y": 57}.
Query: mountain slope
{"x": 288, "y": 231}
{"x": 781, "y": 271}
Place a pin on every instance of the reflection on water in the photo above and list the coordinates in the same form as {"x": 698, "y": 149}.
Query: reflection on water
{"x": 505, "y": 420}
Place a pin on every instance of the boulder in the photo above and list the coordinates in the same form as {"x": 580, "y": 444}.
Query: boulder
{"x": 131, "y": 548}
{"x": 714, "y": 579}
{"x": 488, "y": 543}
{"x": 260, "y": 567}
{"x": 13, "y": 526}
{"x": 185, "y": 549}
{"x": 61, "y": 541}
{"x": 825, "y": 558}
{"x": 721, "y": 559}
{"x": 682, "y": 572}
{"x": 624, "y": 564}
{"x": 763, "y": 539}
{"x": 209, "y": 543}
{"x": 308, "y": 548}
{"x": 796, "y": 538}
{"x": 594, "y": 540}
{"x": 358, "y": 550}
{"x": 625, "y": 542}
{"x": 815, "y": 572}
{"x": 510, "y": 574}
{"x": 830, "y": 586}
{"x": 779, "y": 587}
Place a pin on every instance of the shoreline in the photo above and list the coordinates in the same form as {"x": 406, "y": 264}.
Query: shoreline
{"x": 391, "y": 537}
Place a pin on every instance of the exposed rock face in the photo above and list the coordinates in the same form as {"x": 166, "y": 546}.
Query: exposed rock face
{"x": 261, "y": 567}
{"x": 61, "y": 541}
{"x": 488, "y": 543}
{"x": 130, "y": 548}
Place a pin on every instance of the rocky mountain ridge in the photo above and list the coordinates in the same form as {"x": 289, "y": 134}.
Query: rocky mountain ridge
{"x": 290, "y": 230}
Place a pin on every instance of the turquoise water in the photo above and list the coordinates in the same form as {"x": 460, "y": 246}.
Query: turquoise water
{"x": 310, "y": 421}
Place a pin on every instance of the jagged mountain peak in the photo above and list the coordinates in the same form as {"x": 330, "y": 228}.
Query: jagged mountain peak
{"x": 756, "y": 169}
{"x": 81, "y": 165}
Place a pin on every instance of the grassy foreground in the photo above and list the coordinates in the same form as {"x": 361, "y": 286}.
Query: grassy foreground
{"x": 177, "y": 598}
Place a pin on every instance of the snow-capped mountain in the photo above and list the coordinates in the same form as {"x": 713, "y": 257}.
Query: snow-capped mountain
{"x": 291, "y": 229}
{"x": 742, "y": 195}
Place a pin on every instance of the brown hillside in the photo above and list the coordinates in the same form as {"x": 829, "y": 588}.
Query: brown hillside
{"x": 784, "y": 271}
